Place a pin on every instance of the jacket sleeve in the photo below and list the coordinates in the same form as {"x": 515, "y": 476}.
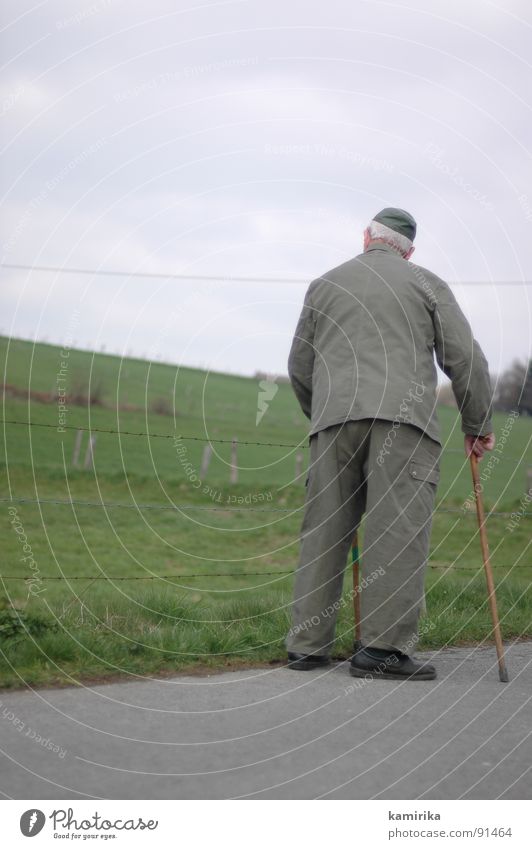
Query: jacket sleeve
{"x": 460, "y": 357}
{"x": 301, "y": 357}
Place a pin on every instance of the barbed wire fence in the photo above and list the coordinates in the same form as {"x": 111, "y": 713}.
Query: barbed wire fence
{"x": 175, "y": 436}
{"x": 176, "y": 508}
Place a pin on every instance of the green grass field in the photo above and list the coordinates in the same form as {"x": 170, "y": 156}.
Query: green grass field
{"x": 113, "y": 587}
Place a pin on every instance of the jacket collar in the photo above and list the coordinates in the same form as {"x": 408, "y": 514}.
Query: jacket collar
{"x": 382, "y": 246}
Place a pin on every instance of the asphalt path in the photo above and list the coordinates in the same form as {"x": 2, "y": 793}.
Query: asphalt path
{"x": 276, "y": 733}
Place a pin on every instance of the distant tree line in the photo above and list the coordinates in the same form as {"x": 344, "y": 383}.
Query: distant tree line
{"x": 512, "y": 390}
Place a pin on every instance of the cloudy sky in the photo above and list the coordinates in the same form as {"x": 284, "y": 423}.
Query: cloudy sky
{"x": 257, "y": 138}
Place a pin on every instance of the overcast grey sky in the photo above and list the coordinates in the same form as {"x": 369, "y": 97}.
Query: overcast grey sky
{"x": 257, "y": 137}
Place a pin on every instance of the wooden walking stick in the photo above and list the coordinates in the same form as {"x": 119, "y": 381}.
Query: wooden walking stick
{"x": 356, "y": 592}
{"x": 503, "y": 673}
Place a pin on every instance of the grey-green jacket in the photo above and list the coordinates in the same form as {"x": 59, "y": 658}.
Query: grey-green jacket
{"x": 365, "y": 342}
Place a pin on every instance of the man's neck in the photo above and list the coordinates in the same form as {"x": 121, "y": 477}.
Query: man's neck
{"x": 378, "y": 243}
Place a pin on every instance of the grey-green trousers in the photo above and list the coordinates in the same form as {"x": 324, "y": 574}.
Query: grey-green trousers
{"x": 389, "y": 471}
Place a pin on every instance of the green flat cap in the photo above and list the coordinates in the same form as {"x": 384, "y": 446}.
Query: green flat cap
{"x": 398, "y": 220}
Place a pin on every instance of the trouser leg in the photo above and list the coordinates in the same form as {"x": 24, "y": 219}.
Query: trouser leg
{"x": 400, "y": 500}
{"x": 333, "y": 509}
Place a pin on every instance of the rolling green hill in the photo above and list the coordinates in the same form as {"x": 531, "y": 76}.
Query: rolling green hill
{"x": 200, "y": 404}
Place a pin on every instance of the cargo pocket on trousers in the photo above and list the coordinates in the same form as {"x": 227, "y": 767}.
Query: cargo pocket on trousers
{"x": 424, "y": 472}
{"x": 423, "y": 477}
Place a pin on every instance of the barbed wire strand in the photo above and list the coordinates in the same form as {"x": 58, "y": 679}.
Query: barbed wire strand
{"x": 150, "y": 435}
{"x": 177, "y": 507}
{"x": 179, "y": 436}
{"x": 449, "y": 567}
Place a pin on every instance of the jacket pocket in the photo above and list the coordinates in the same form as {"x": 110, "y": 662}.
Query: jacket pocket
{"x": 421, "y": 471}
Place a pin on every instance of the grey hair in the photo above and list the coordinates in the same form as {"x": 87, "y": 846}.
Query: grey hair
{"x": 401, "y": 243}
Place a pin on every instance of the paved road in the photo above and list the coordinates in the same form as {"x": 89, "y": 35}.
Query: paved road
{"x": 273, "y": 733}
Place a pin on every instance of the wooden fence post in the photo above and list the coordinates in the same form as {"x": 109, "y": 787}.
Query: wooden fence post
{"x": 205, "y": 460}
{"x": 89, "y": 454}
{"x": 234, "y": 463}
{"x": 77, "y": 448}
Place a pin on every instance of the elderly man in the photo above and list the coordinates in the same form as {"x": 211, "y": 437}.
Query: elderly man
{"x": 362, "y": 368}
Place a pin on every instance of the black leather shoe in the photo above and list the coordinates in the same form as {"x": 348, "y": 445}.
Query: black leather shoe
{"x": 395, "y": 666}
{"x": 305, "y": 662}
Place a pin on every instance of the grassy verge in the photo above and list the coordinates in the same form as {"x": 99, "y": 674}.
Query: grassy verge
{"x": 145, "y": 614}
{"x": 158, "y": 631}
